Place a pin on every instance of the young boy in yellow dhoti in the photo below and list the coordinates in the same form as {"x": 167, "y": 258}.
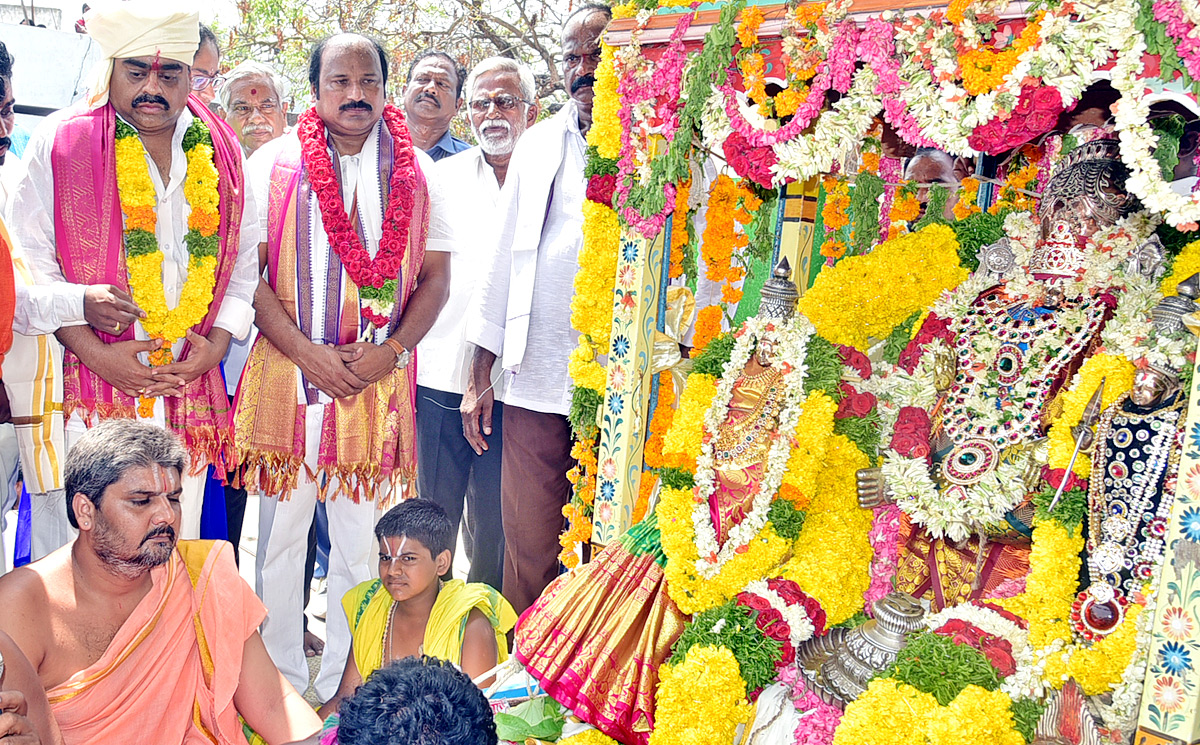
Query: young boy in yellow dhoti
{"x": 410, "y": 611}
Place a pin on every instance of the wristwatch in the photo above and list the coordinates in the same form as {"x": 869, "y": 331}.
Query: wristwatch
{"x": 403, "y": 356}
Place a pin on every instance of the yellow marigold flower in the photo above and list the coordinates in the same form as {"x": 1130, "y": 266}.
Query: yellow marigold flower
{"x": 1051, "y": 584}
{"x": 975, "y": 715}
{"x": 592, "y": 304}
{"x": 1117, "y": 373}
{"x": 1099, "y": 667}
{"x": 887, "y": 713}
{"x": 605, "y": 133}
{"x": 845, "y": 303}
{"x": 1186, "y": 264}
{"x": 809, "y": 445}
{"x": 832, "y": 555}
{"x": 687, "y": 426}
{"x": 700, "y": 701}
{"x": 590, "y": 736}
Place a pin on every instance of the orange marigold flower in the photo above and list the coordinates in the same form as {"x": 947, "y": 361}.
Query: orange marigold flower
{"x": 752, "y": 18}
{"x": 708, "y": 327}
{"x": 730, "y": 294}
{"x": 833, "y": 249}
{"x": 870, "y": 162}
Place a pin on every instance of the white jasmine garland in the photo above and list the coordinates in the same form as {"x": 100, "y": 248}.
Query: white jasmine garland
{"x": 985, "y": 619}
{"x": 792, "y": 339}
{"x": 800, "y": 626}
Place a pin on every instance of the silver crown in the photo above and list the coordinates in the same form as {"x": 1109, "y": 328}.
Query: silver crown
{"x": 779, "y": 293}
{"x": 1095, "y": 173}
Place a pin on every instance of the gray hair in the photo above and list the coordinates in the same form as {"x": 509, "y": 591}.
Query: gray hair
{"x": 504, "y": 64}
{"x": 251, "y": 69}
{"x": 942, "y": 157}
{"x": 104, "y": 453}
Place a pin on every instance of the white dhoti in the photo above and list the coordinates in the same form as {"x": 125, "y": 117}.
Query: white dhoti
{"x": 283, "y": 526}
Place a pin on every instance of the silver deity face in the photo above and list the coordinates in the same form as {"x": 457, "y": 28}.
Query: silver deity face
{"x": 764, "y": 352}
{"x": 1151, "y": 386}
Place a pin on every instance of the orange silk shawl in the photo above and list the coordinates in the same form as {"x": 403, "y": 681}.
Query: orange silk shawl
{"x": 170, "y": 673}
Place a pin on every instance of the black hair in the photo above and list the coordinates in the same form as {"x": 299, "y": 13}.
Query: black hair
{"x": 99, "y": 458}
{"x": 314, "y": 59}
{"x": 6, "y": 65}
{"x": 420, "y": 519}
{"x": 417, "y": 701}
{"x": 460, "y": 72}
{"x": 208, "y": 37}
{"x": 588, "y": 8}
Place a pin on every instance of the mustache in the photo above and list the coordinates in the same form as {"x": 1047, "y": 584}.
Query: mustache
{"x": 5, "y": 142}
{"x": 428, "y": 97}
{"x": 586, "y": 81}
{"x": 355, "y": 105}
{"x": 166, "y": 530}
{"x": 142, "y": 98}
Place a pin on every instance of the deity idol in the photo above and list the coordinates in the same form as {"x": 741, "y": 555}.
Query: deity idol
{"x": 598, "y": 636}
{"x": 992, "y": 357}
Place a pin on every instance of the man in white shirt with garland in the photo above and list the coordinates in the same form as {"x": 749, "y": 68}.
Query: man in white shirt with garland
{"x": 522, "y": 314}
{"x": 501, "y": 103}
{"x": 133, "y": 209}
{"x": 356, "y": 246}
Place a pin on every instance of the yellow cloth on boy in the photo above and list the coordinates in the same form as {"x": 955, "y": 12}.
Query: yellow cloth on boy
{"x": 368, "y": 606}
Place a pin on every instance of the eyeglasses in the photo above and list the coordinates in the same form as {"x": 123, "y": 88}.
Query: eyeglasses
{"x": 200, "y": 82}
{"x": 503, "y": 102}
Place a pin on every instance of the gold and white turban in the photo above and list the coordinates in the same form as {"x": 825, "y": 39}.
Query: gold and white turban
{"x": 140, "y": 28}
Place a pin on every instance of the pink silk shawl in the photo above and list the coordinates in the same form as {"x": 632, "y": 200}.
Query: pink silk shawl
{"x": 88, "y": 234}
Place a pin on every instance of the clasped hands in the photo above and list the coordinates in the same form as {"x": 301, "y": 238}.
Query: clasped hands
{"x": 109, "y": 309}
{"x": 344, "y": 370}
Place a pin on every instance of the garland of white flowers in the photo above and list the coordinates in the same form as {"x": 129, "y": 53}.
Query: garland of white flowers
{"x": 1070, "y": 50}
{"x": 943, "y": 515}
{"x": 800, "y": 626}
{"x": 791, "y": 345}
{"x": 1138, "y": 140}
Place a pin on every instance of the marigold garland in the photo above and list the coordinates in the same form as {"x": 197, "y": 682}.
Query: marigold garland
{"x": 1117, "y": 373}
{"x": 1185, "y": 265}
{"x": 894, "y": 713}
{"x": 834, "y": 563}
{"x": 845, "y": 303}
{"x": 983, "y": 70}
{"x": 708, "y": 327}
{"x": 701, "y": 700}
{"x": 967, "y": 204}
{"x": 681, "y": 444}
{"x": 144, "y": 257}
{"x": 660, "y": 421}
{"x": 588, "y": 737}
{"x": 592, "y": 303}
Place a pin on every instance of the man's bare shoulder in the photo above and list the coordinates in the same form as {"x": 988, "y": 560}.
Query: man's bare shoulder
{"x": 37, "y": 583}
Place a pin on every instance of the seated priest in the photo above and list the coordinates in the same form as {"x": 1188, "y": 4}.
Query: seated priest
{"x": 137, "y": 637}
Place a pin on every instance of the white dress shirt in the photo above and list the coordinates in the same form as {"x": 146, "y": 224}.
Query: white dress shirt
{"x": 443, "y": 363}
{"x": 33, "y": 209}
{"x": 359, "y": 176}
{"x": 536, "y": 281}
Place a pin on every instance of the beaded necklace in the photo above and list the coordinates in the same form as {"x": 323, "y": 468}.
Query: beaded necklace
{"x": 1135, "y": 453}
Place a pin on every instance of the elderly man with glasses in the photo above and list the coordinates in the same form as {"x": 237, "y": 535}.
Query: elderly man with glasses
{"x": 521, "y": 314}
{"x": 251, "y": 98}
{"x": 501, "y": 104}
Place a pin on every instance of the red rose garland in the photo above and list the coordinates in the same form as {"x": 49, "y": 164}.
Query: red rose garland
{"x": 397, "y": 217}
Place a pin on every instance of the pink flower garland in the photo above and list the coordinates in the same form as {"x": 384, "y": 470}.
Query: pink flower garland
{"x": 664, "y": 86}
{"x": 1183, "y": 31}
{"x": 835, "y": 74}
{"x": 819, "y": 720}
{"x": 885, "y": 543}
{"x": 877, "y": 49}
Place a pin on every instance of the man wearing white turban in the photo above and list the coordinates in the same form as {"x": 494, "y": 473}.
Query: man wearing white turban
{"x": 134, "y": 208}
